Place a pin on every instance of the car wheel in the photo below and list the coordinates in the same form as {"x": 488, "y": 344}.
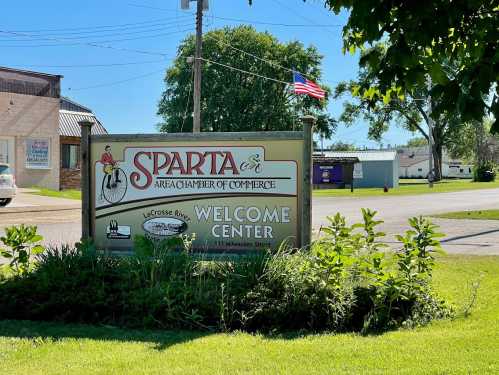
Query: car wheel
{"x": 5, "y": 202}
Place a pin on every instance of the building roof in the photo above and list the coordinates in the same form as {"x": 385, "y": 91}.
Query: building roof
{"x": 408, "y": 161}
{"x": 322, "y": 159}
{"x": 71, "y": 105}
{"x": 69, "y": 127}
{"x": 25, "y": 82}
{"x": 364, "y": 155}
{"x": 29, "y": 72}
{"x": 71, "y": 113}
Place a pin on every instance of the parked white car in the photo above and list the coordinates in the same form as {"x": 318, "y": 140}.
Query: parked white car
{"x": 7, "y": 185}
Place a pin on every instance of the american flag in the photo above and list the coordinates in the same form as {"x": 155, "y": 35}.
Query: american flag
{"x": 305, "y": 86}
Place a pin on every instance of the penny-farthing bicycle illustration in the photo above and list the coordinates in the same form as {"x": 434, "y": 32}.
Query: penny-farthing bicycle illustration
{"x": 114, "y": 184}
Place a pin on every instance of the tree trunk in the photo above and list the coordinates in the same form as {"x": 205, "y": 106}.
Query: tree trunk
{"x": 482, "y": 150}
{"x": 437, "y": 151}
{"x": 437, "y": 161}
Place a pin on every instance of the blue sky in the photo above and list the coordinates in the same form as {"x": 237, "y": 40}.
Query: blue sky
{"x": 130, "y": 106}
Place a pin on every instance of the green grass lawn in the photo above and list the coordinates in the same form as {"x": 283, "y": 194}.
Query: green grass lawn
{"x": 461, "y": 346}
{"x": 475, "y": 215}
{"x": 409, "y": 187}
{"x": 68, "y": 194}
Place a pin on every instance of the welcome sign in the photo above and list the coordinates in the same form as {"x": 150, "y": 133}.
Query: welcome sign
{"x": 235, "y": 193}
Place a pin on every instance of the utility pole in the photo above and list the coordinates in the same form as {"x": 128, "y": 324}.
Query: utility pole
{"x": 196, "y": 127}
{"x": 201, "y": 5}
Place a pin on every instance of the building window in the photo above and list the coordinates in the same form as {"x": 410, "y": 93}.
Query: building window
{"x": 70, "y": 156}
{"x": 420, "y": 169}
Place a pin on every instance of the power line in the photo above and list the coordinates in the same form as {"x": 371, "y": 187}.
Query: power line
{"x": 244, "y": 71}
{"x": 312, "y": 22}
{"x": 91, "y": 65}
{"x": 98, "y": 27}
{"x": 62, "y": 42}
{"x": 270, "y": 62}
{"x": 116, "y": 82}
{"x": 92, "y": 44}
{"x": 38, "y": 37}
{"x": 241, "y": 20}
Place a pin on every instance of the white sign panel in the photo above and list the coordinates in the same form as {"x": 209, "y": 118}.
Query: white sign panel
{"x": 241, "y": 197}
{"x": 38, "y": 153}
{"x": 358, "y": 171}
{"x": 151, "y": 172}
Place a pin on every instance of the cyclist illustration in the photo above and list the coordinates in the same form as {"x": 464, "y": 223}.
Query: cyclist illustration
{"x": 253, "y": 163}
{"x": 109, "y": 166}
{"x": 114, "y": 183}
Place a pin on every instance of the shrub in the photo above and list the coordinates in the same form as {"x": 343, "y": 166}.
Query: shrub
{"x": 22, "y": 243}
{"x": 485, "y": 172}
{"x": 345, "y": 281}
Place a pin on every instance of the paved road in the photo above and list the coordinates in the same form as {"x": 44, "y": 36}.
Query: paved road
{"x": 478, "y": 237}
{"x": 58, "y": 219}
{"x": 463, "y": 236}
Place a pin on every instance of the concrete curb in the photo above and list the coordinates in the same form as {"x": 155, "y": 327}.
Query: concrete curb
{"x": 18, "y": 210}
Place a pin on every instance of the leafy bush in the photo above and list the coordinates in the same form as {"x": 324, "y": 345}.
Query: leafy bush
{"x": 22, "y": 243}
{"x": 345, "y": 281}
{"x": 485, "y": 172}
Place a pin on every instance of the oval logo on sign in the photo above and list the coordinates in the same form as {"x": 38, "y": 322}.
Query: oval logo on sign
{"x": 164, "y": 226}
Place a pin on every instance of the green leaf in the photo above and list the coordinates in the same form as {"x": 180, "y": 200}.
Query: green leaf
{"x": 36, "y": 238}
{"x": 5, "y": 253}
{"x": 38, "y": 249}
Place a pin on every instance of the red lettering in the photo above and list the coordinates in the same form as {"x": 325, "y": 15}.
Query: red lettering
{"x": 228, "y": 164}
{"x": 194, "y": 167}
{"x": 176, "y": 164}
{"x": 213, "y": 155}
{"x": 136, "y": 177}
{"x": 158, "y": 167}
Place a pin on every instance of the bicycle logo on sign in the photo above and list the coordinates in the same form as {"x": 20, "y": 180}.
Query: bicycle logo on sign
{"x": 115, "y": 181}
{"x": 253, "y": 163}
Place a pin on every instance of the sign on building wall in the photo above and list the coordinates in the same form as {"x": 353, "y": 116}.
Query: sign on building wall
{"x": 358, "y": 171}
{"x": 327, "y": 174}
{"x": 235, "y": 195}
{"x": 38, "y": 153}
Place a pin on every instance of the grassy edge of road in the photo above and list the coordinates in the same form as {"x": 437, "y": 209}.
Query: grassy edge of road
{"x": 407, "y": 187}
{"x": 458, "y": 346}
{"x": 410, "y": 187}
{"x": 470, "y": 215}
{"x": 67, "y": 194}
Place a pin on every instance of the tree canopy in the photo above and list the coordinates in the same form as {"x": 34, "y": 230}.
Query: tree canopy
{"x": 342, "y": 146}
{"x": 410, "y": 109}
{"x": 417, "y": 142}
{"x": 233, "y": 100}
{"x": 422, "y": 34}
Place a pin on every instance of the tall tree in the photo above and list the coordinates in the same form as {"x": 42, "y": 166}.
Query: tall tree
{"x": 421, "y": 35}
{"x": 474, "y": 143}
{"x": 411, "y": 108}
{"x": 241, "y": 99}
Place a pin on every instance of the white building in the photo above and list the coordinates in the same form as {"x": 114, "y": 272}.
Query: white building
{"x": 414, "y": 164}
